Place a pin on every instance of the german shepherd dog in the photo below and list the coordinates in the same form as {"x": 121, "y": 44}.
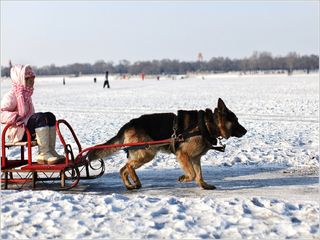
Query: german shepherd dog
{"x": 198, "y": 129}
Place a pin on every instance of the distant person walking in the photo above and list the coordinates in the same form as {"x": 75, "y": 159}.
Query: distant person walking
{"x": 106, "y": 82}
{"x": 64, "y": 81}
{"x": 95, "y": 80}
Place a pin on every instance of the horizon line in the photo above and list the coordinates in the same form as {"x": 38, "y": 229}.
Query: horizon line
{"x": 171, "y": 59}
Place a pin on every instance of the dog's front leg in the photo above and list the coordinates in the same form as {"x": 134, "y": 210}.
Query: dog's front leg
{"x": 199, "y": 179}
{"x": 187, "y": 167}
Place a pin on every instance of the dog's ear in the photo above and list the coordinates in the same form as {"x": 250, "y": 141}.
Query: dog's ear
{"x": 221, "y": 106}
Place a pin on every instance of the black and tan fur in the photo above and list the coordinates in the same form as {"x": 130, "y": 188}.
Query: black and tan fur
{"x": 153, "y": 127}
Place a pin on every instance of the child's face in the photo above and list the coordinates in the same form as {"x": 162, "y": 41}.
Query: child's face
{"x": 30, "y": 82}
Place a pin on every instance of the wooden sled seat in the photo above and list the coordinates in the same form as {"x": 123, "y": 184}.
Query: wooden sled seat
{"x": 22, "y": 144}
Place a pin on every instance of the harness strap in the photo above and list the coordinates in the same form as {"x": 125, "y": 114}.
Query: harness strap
{"x": 203, "y": 128}
{"x": 203, "y": 131}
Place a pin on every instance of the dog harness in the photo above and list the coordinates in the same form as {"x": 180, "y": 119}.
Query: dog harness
{"x": 212, "y": 138}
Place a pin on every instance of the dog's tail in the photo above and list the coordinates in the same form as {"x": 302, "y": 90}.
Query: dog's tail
{"x": 105, "y": 152}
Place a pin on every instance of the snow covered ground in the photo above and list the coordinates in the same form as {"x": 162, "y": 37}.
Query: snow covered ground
{"x": 267, "y": 181}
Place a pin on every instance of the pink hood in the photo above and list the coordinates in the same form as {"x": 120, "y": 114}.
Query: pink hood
{"x": 16, "y": 105}
{"x": 19, "y": 72}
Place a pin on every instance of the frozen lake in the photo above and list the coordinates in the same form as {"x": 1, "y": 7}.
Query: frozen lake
{"x": 267, "y": 181}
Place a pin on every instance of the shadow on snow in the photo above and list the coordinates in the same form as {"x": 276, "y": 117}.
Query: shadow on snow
{"x": 164, "y": 181}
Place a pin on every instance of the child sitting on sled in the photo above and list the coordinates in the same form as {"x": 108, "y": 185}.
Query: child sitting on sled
{"x": 17, "y": 109}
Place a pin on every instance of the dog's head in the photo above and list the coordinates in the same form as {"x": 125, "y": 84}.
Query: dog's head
{"x": 227, "y": 122}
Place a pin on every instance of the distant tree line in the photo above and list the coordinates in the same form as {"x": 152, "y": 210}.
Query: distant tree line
{"x": 258, "y": 61}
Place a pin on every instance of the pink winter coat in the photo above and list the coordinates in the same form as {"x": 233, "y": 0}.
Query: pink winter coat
{"x": 16, "y": 105}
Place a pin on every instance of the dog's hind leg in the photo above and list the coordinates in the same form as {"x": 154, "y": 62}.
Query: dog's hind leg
{"x": 134, "y": 176}
{"x": 127, "y": 170}
{"x": 199, "y": 179}
{"x": 187, "y": 167}
{"x": 136, "y": 160}
{"x": 124, "y": 173}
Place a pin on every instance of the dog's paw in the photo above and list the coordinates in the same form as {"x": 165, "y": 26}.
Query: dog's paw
{"x": 137, "y": 186}
{"x": 207, "y": 186}
{"x": 182, "y": 178}
{"x": 132, "y": 187}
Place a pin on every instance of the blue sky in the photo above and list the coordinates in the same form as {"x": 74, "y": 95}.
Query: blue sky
{"x": 65, "y": 32}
